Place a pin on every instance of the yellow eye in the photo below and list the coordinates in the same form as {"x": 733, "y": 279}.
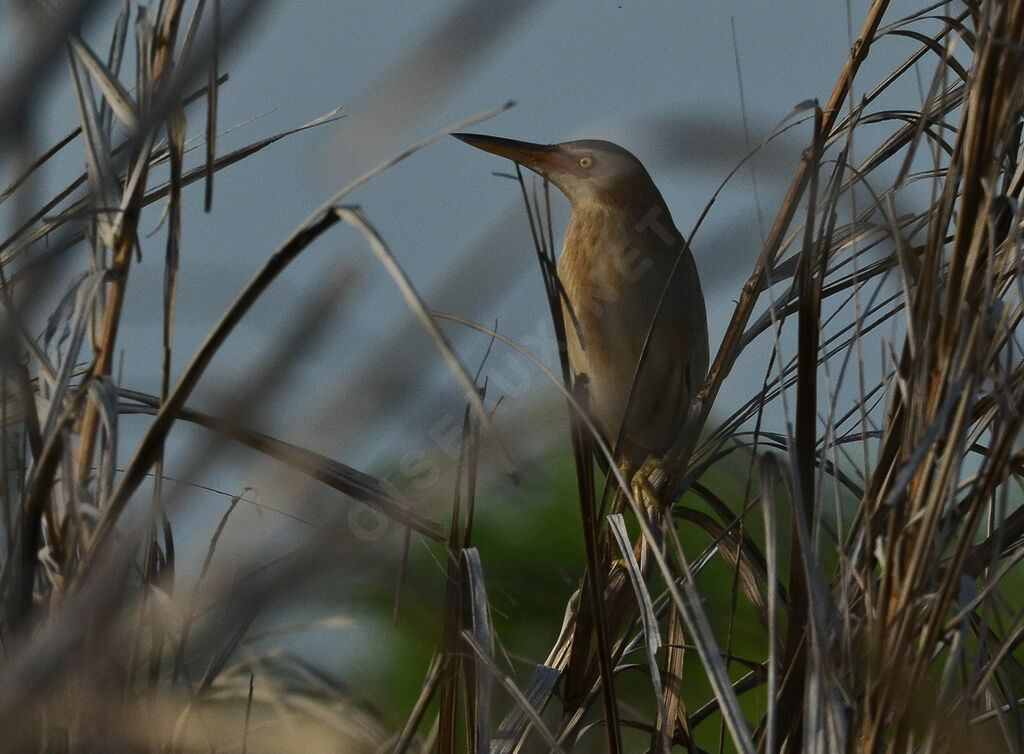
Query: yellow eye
{"x": 586, "y": 161}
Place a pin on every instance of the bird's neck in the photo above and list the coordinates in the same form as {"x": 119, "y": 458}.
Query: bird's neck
{"x": 609, "y": 227}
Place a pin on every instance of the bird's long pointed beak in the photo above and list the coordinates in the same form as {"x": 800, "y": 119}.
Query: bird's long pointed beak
{"x": 546, "y": 159}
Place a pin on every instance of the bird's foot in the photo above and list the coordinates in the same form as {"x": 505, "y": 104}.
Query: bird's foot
{"x": 647, "y": 484}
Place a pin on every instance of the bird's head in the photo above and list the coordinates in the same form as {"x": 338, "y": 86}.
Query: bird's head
{"x": 588, "y": 171}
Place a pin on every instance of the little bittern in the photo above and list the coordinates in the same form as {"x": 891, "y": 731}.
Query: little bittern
{"x": 620, "y": 250}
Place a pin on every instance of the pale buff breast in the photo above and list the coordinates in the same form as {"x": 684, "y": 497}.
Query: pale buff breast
{"x": 613, "y": 278}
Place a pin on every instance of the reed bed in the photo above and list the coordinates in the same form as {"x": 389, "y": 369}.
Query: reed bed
{"x": 831, "y": 566}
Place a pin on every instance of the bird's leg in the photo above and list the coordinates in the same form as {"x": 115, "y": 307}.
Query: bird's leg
{"x": 647, "y": 498}
{"x": 646, "y": 492}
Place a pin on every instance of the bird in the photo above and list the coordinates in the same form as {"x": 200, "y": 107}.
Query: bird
{"x": 621, "y": 259}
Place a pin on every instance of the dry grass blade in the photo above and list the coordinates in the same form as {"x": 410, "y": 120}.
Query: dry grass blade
{"x": 802, "y": 635}
{"x": 738, "y": 551}
{"x": 522, "y": 702}
{"x": 118, "y": 40}
{"x": 649, "y": 622}
{"x": 116, "y": 97}
{"x": 20, "y": 570}
{"x": 478, "y": 628}
{"x": 99, "y": 165}
{"x": 211, "y": 113}
{"x": 86, "y": 293}
{"x": 516, "y": 725}
{"x": 769, "y": 480}
{"x": 355, "y": 217}
{"x": 430, "y": 684}
{"x": 357, "y": 484}
{"x": 686, "y": 599}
